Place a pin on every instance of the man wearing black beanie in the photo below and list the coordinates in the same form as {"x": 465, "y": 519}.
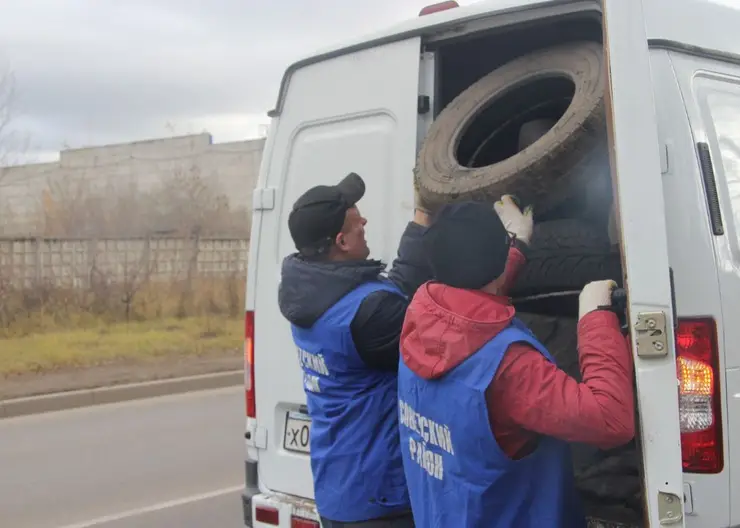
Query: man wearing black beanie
{"x": 485, "y": 413}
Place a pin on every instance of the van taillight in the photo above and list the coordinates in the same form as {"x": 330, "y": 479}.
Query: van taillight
{"x": 700, "y": 408}
{"x": 436, "y": 8}
{"x": 249, "y": 364}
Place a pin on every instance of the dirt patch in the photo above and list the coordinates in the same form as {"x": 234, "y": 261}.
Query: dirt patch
{"x": 118, "y": 372}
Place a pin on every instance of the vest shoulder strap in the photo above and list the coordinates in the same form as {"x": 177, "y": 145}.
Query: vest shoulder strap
{"x": 346, "y": 307}
{"x": 485, "y": 363}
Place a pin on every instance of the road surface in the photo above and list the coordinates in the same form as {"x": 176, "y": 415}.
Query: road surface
{"x": 174, "y": 461}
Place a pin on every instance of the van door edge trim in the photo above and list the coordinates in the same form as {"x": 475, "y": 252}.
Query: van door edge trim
{"x": 697, "y": 51}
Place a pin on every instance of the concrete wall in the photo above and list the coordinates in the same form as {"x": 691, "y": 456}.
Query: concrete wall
{"x": 232, "y": 168}
{"x": 25, "y": 262}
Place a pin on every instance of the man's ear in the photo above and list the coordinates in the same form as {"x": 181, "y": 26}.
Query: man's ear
{"x": 339, "y": 241}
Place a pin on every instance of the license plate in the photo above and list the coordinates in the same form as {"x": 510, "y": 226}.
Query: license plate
{"x": 297, "y": 433}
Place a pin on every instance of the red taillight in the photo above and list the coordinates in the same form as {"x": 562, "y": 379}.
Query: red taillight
{"x": 249, "y": 364}
{"x": 300, "y": 522}
{"x": 267, "y": 515}
{"x": 700, "y": 408}
{"x": 436, "y": 8}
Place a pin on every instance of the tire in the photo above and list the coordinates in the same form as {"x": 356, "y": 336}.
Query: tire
{"x": 541, "y": 174}
{"x": 566, "y": 255}
{"x": 611, "y": 484}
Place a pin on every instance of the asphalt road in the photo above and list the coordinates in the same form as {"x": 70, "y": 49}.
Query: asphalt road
{"x": 175, "y": 461}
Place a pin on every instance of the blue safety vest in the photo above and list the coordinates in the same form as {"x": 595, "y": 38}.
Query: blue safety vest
{"x": 458, "y": 476}
{"x": 355, "y": 453}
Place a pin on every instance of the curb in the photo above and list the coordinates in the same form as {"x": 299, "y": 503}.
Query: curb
{"x": 118, "y": 393}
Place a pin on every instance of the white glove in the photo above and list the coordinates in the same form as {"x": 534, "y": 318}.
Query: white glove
{"x": 521, "y": 224}
{"x": 594, "y": 295}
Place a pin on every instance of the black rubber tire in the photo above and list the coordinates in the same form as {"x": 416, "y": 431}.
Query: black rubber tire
{"x": 566, "y": 255}
{"x": 610, "y": 484}
{"x": 568, "y": 233}
{"x": 541, "y": 174}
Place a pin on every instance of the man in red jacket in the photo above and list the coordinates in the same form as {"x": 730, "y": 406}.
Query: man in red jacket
{"x": 465, "y": 356}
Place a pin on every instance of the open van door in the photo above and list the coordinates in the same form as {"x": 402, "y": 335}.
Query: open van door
{"x": 637, "y": 180}
{"x": 352, "y": 110}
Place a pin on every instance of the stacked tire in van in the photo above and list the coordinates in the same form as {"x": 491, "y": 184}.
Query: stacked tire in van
{"x": 536, "y": 128}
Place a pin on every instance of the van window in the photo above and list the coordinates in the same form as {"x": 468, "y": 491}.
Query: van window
{"x": 719, "y": 100}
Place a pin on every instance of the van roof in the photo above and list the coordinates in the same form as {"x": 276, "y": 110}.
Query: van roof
{"x": 668, "y": 23}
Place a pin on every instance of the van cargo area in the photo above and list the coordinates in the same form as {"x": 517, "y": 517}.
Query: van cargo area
{"x": 571, "y": 245}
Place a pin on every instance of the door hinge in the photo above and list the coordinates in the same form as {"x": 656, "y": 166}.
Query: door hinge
{"x": 670, "y": 508}
{"x": 263, "y": 199}
{"x": 652, "y": 339}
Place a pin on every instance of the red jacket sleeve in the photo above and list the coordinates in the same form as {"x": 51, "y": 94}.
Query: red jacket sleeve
{"x": 534, "y": 393}
{"x": 514, "y": 264}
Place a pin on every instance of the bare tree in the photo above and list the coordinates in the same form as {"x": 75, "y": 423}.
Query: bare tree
{"x": 179, "y": 205}
{"x": 7, "y": 96}
{"x": 13, "y": 143}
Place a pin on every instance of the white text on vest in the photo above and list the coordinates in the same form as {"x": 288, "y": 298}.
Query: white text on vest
{"x": 430, "y": 433}
{"x": 313, "y": 362}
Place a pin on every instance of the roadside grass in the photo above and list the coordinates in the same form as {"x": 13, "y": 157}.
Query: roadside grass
{"x": 100, "y": 343}
{"x": 44, "y": 328}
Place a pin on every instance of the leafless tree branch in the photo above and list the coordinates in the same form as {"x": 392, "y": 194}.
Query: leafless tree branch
{"x": 7, "y": 96}
{"x": 12, "y": 142}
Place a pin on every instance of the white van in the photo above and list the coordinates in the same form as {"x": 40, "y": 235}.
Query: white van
{"x": 673, "y": 119}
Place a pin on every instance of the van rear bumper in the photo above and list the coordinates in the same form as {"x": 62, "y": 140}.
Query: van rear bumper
{"x": 251, "y": 488}
{"x": 287, "y": 507}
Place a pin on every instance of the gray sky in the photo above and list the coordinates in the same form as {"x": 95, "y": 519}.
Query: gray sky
{"x": 91, "y": 72}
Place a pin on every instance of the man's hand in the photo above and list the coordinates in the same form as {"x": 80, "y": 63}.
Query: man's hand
{"x": 515, "y": 221}
{"x": 595, "y": 295}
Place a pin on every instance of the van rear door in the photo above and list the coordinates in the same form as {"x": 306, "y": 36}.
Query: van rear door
{"x": 342, "y": 113}
{"x": 636, "y": 173}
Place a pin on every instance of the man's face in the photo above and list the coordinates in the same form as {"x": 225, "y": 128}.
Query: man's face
{"x": 351, "y": 241}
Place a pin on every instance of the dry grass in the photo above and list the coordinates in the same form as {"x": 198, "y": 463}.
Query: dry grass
{"x": 138, "y": 341}
{"x": 46, "y": 328}
{"x": 44, "y": 309}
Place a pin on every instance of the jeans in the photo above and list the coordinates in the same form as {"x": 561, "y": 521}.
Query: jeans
{"x": 398, "y": 521}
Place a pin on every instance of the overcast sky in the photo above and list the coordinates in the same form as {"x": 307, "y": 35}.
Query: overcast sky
{"x": 92, "y": 72}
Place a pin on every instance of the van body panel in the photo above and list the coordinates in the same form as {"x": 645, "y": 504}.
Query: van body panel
{"x": 733, "y": 431}
{"x": 256, "y": 227}
{"x": 669, "y": 20}
{"x": 715, "y": 90}
{"x": 636, "y": 173}
{"x": 356, "y": 113}
{"x": 711, "y": 90}
{"x": 691, "y": 250}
